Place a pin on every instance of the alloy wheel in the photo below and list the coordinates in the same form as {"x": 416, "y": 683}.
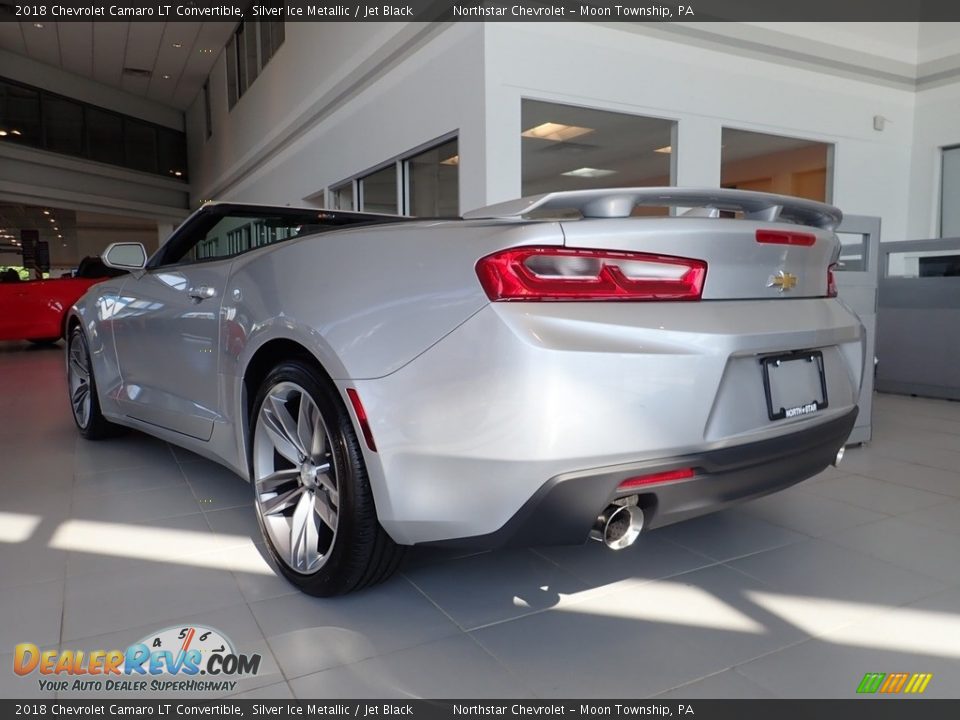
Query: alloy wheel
{"x": 295, "y": 478}
{"x": 78, "y": 380}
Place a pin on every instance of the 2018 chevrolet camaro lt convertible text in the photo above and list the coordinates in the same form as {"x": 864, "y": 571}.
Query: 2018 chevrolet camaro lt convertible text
{"x": 539, "y": 372}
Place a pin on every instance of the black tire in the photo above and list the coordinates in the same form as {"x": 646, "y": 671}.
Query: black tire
{"x": 360, "y": 552}
{"x": 92, "y": 426}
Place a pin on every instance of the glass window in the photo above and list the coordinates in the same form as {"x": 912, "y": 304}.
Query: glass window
{"x": 75, "y": 128}
{"x": 924, "y": 263}
{"x": 277, "y": 36}
{"x": 341, "y": 197}
{"x": 271, "y": 36}
{"x": 433, "y": 182}
{"x": 248, "y": 52}
{"x": 950, "y": 193}
{"x": 173, "y": 153}
{"x": 20, "y": 114}
{"x": 140, "y": 145}
{"x": 564, "y": 147}
{"x": 221, "y": 236}
{"x": 378, "y": 191}
{"x": 241, "y": 59}
{"x": 231, "y": 60}
{"x": 777, "y": 164}
{"x": 62, "y": 125}
{"x": 249, "y": 36}
{"x": 103, "y": 128}
{"x": 207, "y": 112}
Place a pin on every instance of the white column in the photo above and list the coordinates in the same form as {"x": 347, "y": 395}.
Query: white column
{"x": 696, "y": 152}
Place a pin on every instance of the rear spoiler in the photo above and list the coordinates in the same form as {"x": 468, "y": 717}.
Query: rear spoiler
{"x": 620, "y": 202}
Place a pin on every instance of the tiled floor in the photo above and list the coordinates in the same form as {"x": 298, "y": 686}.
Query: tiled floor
{"x": 796, "y": 595}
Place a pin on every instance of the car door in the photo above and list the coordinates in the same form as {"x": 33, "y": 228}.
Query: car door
{"x": 11, "y": 310}
{"x": 167, "y": 338}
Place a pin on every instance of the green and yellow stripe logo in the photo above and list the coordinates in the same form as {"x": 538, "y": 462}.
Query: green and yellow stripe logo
{"x": 894, "y": 683}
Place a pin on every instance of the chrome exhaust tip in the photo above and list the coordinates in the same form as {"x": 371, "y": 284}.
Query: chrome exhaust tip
{"x": 618, "y": 526}
{"x": 839, "y": 457}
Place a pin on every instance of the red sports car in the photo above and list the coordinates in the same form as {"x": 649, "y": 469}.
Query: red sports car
{"x": 34, "y": 309}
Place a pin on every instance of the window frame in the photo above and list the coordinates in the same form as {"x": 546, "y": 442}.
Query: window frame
{"x": 247, "y": 35}
{"x": 942, "y": 195}
{"x": 400, "y": 163}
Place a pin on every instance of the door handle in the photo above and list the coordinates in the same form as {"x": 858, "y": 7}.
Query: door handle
{"x": 203, "y": 292}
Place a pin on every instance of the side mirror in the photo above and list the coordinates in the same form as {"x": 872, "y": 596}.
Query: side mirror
{"x": 125, "y": 256}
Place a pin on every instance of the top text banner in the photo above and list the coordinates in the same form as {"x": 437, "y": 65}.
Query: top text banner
{"x": 649, "y": 11}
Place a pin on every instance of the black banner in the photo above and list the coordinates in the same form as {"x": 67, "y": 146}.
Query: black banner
{"x": 28, "y": 247}
{"x": 865, "y": 709}
{"x": 477, "y": 10}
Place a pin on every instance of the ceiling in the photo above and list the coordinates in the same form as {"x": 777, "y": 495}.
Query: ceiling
{"x": 101, "y": 51}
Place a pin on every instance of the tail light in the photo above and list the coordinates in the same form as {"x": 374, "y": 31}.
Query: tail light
{"x": 552, "y": 273}
{"x": 831, "y": 281}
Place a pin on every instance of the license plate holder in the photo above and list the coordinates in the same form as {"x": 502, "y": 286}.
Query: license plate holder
{"x": 781, "y": 376}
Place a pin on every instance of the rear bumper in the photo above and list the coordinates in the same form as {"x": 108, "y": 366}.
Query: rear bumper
{"x": 565, "y": 508}
{"x": 472, "y": 429}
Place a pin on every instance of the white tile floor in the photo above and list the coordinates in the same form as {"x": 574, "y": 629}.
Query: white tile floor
{"x": 795, "y": 595}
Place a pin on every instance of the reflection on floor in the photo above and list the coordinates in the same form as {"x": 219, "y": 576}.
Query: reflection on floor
{"x": 796, "y": 595}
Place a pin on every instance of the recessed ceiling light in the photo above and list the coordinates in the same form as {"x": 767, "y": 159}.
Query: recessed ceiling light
{"x": 16, "y": 132}
{"x": 452, "y": 160}
{"x": 165, "y": 76}
{"x": 178, "y": 45}
{"x": 588, "y": 172}
{"x": 206, "y": 51}
{"x": 51, "y": 219}
{"x": 556, "y": 131}
{"x": 666, "y": 150}
{"x": 46, "y": 212}
{"x": 3, "y": 133}
{"x": 38, "y": 25}
{"x": 59, "y": 235}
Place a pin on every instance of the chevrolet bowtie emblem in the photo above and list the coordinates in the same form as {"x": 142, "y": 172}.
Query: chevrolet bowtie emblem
{"x": 783, "y": 281}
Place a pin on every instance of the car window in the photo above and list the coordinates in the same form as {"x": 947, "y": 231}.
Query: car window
{"x": 222, "y": 236}
{"x": 233, "y": 235}
{"x": 226, "y": 231}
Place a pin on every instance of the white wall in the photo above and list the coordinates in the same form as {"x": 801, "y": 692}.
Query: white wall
{"x": 703, "y": 90}
{"x": 338, "y": 99}
{"x": 937, "y": 126}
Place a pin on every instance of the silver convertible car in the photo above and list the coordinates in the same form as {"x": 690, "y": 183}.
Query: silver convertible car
{"x": 540, "y": 371}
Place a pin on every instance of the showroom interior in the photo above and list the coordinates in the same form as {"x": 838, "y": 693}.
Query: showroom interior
{"x": 117, "y": 131}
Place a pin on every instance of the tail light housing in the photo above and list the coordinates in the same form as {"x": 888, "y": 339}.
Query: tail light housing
{"x": 831, "y": 281}
{"x": 568, "y": 274}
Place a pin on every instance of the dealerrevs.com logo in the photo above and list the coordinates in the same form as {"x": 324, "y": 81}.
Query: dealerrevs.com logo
{"x": 171, "y": 660}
